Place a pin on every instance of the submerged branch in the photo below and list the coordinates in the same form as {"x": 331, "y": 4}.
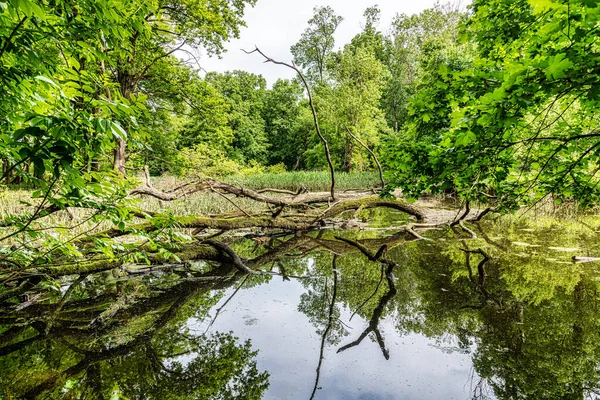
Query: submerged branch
{"x": 328, "y": 327}
{"x": 235, "y": 258}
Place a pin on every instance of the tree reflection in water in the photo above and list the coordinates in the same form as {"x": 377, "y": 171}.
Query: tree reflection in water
{"x": 529, "y": 316}
{"x": 127, "y": 337}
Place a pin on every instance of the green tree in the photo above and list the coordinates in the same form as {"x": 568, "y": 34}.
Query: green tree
{"x": 244, "y": 94}
{"x": 353, "y": 105}
{"x": 526, "y": 126}
{"x": 410, "y": 37}
{"x": 163, "y": 29}
{"x": 314, "y": 49}
{"x": 286, "y": 130}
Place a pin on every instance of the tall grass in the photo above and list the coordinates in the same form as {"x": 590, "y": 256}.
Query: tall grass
{"x": 13, "y": 201}
{"x": 312, "y": 180}
{"x": 204, "y": 203}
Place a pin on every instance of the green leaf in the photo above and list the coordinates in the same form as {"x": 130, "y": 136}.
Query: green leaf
{"x": 540, "y": 6}
{"x": 465, "y": 138}
{"x": 558, "y": 66}
{"x": 39, "y": 166}
{"x": 47, "y": 80}
{"x": 118, "y": 131}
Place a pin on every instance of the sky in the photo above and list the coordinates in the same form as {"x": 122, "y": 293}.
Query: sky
{"x": 275, "y": 25}
{"x": 288, "y": 348}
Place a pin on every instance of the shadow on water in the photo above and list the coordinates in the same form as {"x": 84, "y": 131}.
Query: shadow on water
{"x": 505, "y": 314}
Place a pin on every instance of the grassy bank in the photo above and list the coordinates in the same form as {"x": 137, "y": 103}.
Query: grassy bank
{"x": 14, "y": 201}
{"x": 212, "y": 203}
{"x": 313, "y": 180}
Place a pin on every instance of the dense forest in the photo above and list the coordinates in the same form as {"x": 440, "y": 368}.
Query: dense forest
{"x": 121, "y": 154}
{"x": 488, "y": 103}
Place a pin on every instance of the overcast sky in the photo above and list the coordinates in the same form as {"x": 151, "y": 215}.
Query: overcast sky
{"x": 275, "y": 25}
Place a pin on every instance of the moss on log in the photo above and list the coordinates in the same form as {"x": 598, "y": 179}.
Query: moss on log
{"x": 371, "y": 202}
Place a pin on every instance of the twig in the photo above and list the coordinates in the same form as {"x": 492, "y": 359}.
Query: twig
{"x": 12, "y": 34}
{"x": 231, "y": 201}
{"x": 226, "y": 301}
{"x": 372, "y": 154}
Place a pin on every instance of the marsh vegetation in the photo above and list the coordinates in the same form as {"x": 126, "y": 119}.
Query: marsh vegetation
{"x": 436, "y": 182}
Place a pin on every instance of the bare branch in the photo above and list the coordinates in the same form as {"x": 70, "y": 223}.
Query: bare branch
{"x": 372, "y": 154}
{"x": 12, "y": 34}
{"x": 312, "y": 107}
{"x": 235, "y": 259}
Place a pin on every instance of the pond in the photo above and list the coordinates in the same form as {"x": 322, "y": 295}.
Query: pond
{"x": 506, "y": 315}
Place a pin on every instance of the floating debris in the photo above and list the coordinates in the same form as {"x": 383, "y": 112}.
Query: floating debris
{"x": 585, "y": 259}
{"x": 566, "y": 249}
{"x": 523, "y": 244}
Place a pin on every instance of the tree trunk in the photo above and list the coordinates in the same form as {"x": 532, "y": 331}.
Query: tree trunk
{"x": 5, "y": 173}
{"x": 348, "y": 155}
{"x": 120, "y": 156}
{"x": 120, "y": 152}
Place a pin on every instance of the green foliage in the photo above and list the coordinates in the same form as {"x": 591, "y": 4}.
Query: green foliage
{"x": 79, "y": 78}
{"x": 314, "y": 49}
{"x": 203, "y": 162}
{"x": 244, "y": 93}
{"x": 524, "y": 121}
{"x": 288, "y": 123}
{"x": 351, "y": 106}
{"x": 414, "y": 42}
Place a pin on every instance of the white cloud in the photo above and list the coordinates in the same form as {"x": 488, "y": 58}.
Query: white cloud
{"x": 275, "y": 25}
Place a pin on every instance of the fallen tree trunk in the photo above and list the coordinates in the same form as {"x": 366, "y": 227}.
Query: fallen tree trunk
{"x": 291, "y": 223}
{"x": 292, "y": 200}
{"x": 371, "y": 202}
{"x": 205, "y": 223}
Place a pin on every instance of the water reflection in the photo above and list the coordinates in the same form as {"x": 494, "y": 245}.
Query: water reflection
{"x": 113, "y": 337}
{"x": 371, "y": 314}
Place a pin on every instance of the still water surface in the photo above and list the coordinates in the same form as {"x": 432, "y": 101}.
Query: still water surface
{"x": 507, "y": 315}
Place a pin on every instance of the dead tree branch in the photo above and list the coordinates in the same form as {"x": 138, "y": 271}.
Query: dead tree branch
{"x": 464, "y": 215}
{"x": 235, "y": 258}
{"x": 482, "y": 214}
{"x": 371, "y": 202}
{"x": 372, "y": 155}
{"x": 312, "y": 107}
